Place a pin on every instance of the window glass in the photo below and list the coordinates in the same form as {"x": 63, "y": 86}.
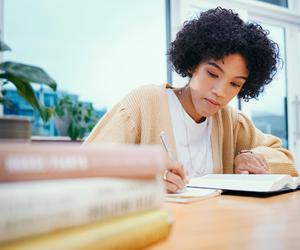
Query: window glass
{"x": 282, "y": 3}
{"x": 269, "y": 111}
{"x": 98, "y": 50}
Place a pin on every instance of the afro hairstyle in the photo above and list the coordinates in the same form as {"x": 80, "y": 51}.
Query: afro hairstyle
{"x": 219, "y": 32}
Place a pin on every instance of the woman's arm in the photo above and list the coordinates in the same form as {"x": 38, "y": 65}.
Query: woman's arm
{"x": 264, "y": 147}
{"x": 116, "y": 126}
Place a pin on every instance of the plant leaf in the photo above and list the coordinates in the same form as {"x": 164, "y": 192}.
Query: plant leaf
{"x": 28, "y": 73}
{"x": 75, "y": 131}
{"x": 25, "y": 90}
{"x": 4, "y": 47}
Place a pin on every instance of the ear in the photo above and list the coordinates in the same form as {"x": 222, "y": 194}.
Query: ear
{"x": 191, "y": 71}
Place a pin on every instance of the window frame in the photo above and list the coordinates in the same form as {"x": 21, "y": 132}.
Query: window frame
{"x": 1, "y": 38}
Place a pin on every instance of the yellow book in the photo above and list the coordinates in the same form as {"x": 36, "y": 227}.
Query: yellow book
{"x": 133, "y": 231}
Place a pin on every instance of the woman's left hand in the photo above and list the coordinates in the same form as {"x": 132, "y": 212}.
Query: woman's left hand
{"x": 250, "y": 163}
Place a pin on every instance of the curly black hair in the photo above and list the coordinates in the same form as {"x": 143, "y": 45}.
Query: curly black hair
{"x": 220, "y": 32}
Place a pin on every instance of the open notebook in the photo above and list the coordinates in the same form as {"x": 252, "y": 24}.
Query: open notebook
{"x": 189, "y": 195}
{"x": 260, "y": 183}
{"x": 212, "y": 185}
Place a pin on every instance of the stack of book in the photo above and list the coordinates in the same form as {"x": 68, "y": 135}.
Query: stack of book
{"x": 15, "y": 128}
{"x": 92, "y": 197}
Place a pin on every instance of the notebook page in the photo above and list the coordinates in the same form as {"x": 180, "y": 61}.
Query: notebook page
{"x": 191, "y": 195}
{"x": 296, "y": 182}
{"x": 243, "y": 182}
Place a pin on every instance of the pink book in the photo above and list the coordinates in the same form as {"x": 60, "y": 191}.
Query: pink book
{"x": 20, "y": 161}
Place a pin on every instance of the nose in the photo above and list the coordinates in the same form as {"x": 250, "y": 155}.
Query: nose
{"x": 219, "y": 89}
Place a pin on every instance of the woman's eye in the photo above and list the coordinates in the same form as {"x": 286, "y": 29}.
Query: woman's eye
{"x": 212, "y": 74}
{"x": 235, "y": 85}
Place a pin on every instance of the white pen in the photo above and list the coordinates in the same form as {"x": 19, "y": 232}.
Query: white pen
{"x": 164, "y": 140}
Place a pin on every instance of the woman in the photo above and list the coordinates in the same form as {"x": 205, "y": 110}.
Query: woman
{"x": 223, "y": 57}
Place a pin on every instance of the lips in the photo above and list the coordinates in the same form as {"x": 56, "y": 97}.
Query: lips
{"x": 212, "y": 101}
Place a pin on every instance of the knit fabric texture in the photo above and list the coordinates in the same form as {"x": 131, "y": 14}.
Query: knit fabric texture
{"x": 144, "y": 113}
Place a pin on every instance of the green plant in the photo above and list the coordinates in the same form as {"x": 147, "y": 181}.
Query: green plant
{"x": 22, "y": 75}
{"x": 82, "y": 117}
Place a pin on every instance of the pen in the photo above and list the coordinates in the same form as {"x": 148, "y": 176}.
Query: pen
{"x": 164, "y": 140}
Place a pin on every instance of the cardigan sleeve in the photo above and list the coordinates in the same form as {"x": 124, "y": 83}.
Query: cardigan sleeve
{"x": 279, "y": 159}
{"x": 116, "y": 126}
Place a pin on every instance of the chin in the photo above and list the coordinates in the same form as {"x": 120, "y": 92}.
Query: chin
{"x": 206, "y": 114}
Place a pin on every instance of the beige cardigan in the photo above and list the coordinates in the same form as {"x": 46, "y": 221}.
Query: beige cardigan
{"x": 144, "y": 113}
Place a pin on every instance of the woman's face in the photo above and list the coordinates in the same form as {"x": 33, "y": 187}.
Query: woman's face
{"x": 215, "y": 82}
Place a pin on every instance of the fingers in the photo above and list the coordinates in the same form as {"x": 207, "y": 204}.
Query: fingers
{"x": 261, "y": 159}
{"x": 240, "y": 171}
{"x": 177, "y": 168}
{"x": 175, "y": 177}
{"x": 251, "y": 163}
{"x": 252, "y": 169}
{"x": 171, "y": 188}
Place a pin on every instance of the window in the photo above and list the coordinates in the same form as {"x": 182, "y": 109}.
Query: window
{"x": 269, "y": 112}
{"x": 275, "y": 113}
{"x": 98, "y": 50}
{"x": 282, "y": 3}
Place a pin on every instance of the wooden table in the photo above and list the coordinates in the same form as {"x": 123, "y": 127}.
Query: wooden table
{"x": 236, "y": 222}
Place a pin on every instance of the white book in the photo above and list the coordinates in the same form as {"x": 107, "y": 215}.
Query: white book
{"x": 261, "y": 183}
{"x": 29, "y": 208}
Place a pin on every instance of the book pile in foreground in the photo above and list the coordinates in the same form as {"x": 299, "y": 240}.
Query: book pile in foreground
{"x": 21, "y": 128}
{"x": 92, "y": 197}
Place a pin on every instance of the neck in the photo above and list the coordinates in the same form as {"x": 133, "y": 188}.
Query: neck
{"x": 185, "y": 98}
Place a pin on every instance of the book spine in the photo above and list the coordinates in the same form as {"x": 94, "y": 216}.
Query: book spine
{"x": 18, "y": 163}
{"x": 129, "y": 232}
{"x": 32, "y": 209}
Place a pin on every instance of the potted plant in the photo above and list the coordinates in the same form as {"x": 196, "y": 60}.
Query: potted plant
{"x": 74, "y": 118}
{"x": 22, "y": 76}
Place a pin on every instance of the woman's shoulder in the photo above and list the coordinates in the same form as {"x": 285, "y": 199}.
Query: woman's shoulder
{"x": 149, "y": 89}
{"x": 145, "y": 97}
{"x": 229, "y": 112}
{"x": 234, "y": 115}
{"x": 146, "y": 93}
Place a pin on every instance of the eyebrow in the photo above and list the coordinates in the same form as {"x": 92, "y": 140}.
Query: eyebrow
{"x": 218, "y": 67}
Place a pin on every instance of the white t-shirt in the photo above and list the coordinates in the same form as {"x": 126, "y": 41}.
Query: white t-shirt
{"x": 192, "y": 139}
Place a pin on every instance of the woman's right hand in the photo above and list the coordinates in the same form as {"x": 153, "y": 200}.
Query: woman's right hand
{"x": 175, "y": 177}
